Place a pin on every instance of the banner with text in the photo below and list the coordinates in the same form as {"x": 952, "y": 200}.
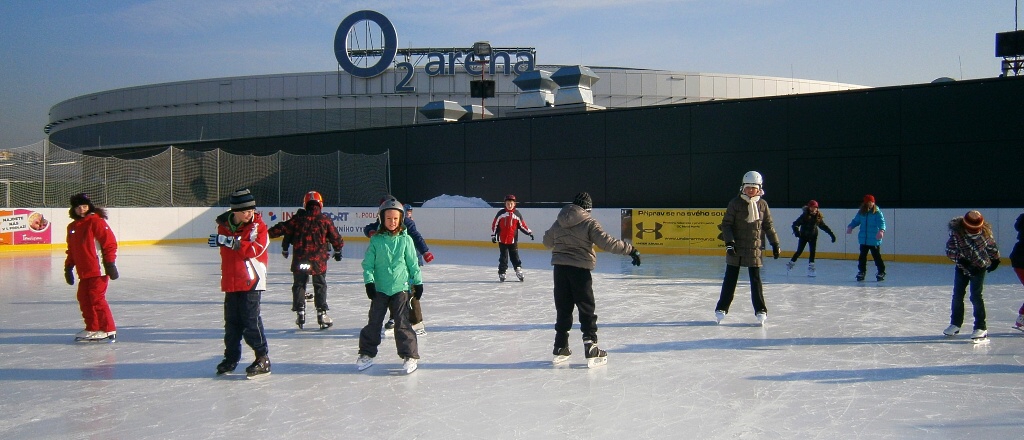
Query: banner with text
{"x": 23, "y": 226}
{"x": 673, "y": 228}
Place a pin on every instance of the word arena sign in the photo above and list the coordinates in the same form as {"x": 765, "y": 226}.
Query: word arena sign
{"x": 439, "y": 62}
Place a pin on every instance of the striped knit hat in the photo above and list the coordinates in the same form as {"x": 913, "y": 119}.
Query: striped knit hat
{"x": 242, "y": 200}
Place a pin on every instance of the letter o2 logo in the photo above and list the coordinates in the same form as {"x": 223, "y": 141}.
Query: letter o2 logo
{"x": 388, "y": 52}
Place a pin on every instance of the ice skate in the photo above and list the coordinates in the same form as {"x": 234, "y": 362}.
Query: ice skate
{"x": 860, "y": 276}
{"x": 501, "y": 277}
{"x": 324, "y": 320}
{"x": 225, "y": 366}
{"x": 1019, "y": 325}
{"x": 789, "y": 266}
{"x": 880, "y": 276}
{"x": 810, "y": 270}
{"x": 364, "y": 362}
{"x": 309, "y": 297}
{"x": 761, "y": 318}
{"x": 410, "y": 365}
{"x": 419, "y": 328}
{"x": 300, "y": 319}
{"x": 259, "y": 367}
{"x": 519, "y": 274}
{"x": 99, "y": 336}
{"x": 596, "y": 357}
{"x": 952, "y": 330}
{"x": 720, "y": 316}
{"x": 389, "y": 329}
{"x": 84, "y": 335}
{"x": 561, "y": 355}
{"x": 979, "y": 336}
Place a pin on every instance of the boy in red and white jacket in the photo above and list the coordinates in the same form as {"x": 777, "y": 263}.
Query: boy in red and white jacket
{"x": 243, "y": 239}
{"x": 88, "y": 230}
{"x": 505, "y": 231}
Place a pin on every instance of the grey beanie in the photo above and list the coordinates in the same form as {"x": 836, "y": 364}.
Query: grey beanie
{"x": 242, "y": 200}
{"x": 583, "y": 201}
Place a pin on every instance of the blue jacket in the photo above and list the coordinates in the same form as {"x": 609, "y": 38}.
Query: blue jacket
{"x": 870, "y": 223}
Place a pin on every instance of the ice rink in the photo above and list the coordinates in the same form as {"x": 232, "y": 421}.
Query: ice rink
{"x": 837, "y": 359}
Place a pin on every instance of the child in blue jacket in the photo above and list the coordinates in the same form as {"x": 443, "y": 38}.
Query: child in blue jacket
{"x": 872, "y": 228}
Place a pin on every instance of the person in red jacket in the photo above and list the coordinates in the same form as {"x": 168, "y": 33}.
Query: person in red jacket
{"x": 505, "y": 231}
{"x": 309, "y": 232}
{"x": 242, "y": 238}
{"x": 88, "y": 229}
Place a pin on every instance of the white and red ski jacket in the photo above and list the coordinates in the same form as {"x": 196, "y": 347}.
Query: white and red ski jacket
{"x": 507, "y": 224}
{"x": 245, "y": 269}
{"x": 84, "y": 236}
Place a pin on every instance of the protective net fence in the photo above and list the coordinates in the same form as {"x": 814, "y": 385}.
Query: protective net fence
{"x": 43, "y": 175}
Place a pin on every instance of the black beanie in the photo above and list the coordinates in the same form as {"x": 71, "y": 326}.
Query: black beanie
{"x": 583, "y": 201}
{"x": 79, "y": 200}
{"x": 242, "y": 200}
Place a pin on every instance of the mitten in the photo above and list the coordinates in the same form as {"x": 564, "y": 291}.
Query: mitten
{"x": 531, "y": 236}
{"x": 730, "y": 249}
{"x": 994, "y": 265}
{"x": 111, "y": 270}
{"x": 494, "y": 238}
{"x": 417, "y": 291}
{"x": 428, "y": 257}
{"x": 879, "y": 235}
{"x": 69, "y": 275}
{"x": 337, "y": 255}
{"x": 635, "y": 255}
{"x": 796, "y": 232}
{"x": 775, "y": 251}
{"x": 370, "y": 290}
{"x": 849, "y": 230}
{"x": 833, "y": 237}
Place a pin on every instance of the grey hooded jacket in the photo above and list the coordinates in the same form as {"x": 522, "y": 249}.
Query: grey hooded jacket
{"x": 573, "y": 236}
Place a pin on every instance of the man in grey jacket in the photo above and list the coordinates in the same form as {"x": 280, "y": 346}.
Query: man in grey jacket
{"x": 572, "y": 239}
{"x": 746, "y": 221}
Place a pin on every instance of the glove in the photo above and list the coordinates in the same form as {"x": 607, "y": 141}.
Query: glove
{"x": 284, "y": 252}
{"x": 224, "y": 240}
{"x": 994, "y": 265}
{"x": 730, "y": 249}
{"x": 111, "y": 270}
{"x": 531, "y": 237}
{"x": 370, "y": 290}
{"x": 775, "y": 251}
{"x": 635, "y": 255}
{"x": 879, "y": 235}
{"x": 494, "y": 238}
{"x": 417, "y": 291}
{"x": 796, "y": 232}
{"x": 372, "y": 231}
{"x": 69, "y": 275}
{"x": 337, "y": 255}
{"x": 833, "y": 237}
{"x": 849, "y": 230}
{"x": 428, "y": 257}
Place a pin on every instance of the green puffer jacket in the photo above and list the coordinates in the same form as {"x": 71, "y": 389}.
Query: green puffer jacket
{"x": 391, "y": 263}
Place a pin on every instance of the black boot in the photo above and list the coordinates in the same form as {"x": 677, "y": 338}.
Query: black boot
{"x": 260, "y": 367}
{"x": 225, "y": 366}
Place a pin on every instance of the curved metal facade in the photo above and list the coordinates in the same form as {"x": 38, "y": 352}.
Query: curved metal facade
{"x": 298, "y": 103}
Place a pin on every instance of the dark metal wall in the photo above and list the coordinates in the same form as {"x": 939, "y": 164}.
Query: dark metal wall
{"x": 930, "y": 145}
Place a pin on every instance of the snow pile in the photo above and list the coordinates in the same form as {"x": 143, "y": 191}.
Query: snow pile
{"x": 447, "y": 201}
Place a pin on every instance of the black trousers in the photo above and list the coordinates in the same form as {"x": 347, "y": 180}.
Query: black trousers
{"x": 299, "y": 281}
{"x": 405, "y": 337}
{"x": 732, "y": 274}
{"x": 508, "y": 251}
{"x": 242, "y": 320}
{"x": 573, "y": 289}
{"x": 876, "y": 255}
{"x": 812, "y": 243}
{"x": 976, "y": 279}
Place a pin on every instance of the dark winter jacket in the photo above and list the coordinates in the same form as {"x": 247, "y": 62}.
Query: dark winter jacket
{"x": 970, "y": 252}
{"x": 806, "y": 226}
{"x": 310, "y": 233}
{"x": 745, "y": 236}
{"x": 573, "y": 236}
{"x": 507, "y": 224}
{"x": 244, "y": 269}
{"x": 1017, "y": 254}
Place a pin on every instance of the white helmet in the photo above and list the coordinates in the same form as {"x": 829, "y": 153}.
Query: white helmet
{"x": 753, "y": 178}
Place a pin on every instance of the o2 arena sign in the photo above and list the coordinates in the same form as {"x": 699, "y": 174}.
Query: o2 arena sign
{"x": 355, "y": 52}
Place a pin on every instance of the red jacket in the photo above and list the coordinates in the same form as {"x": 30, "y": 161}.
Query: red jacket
{"x": 84, "y": 236}
{"x": 507, "y": 224}
{"x": 245, "y": 269}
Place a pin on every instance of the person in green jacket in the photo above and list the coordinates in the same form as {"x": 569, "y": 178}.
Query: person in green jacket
{"x": 391, "y": 272}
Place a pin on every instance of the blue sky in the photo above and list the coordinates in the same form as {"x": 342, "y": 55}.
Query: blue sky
{"x": 56, "y": 50}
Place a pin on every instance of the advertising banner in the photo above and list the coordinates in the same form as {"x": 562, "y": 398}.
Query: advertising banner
{"x": 23, "y": 226}
{"x": 349, "y": 221}
{"x": 673, "y": 228}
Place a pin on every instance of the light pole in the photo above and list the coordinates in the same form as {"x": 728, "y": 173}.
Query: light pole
{"x": 482, "y": 51}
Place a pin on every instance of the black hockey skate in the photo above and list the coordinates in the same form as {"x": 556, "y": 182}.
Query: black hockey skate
{"x": 880, "y": 276}
{"x": 260, "y": 367}
{"x": 596, "y": 357}
{"x": 225, "y": 366}
{"x": 324, "y": 320}
{"x": 561, "y": 355}
{"x": 860, "y": 276}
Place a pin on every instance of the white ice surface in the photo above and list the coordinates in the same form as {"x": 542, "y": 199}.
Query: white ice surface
{"x": 838, "y": 359}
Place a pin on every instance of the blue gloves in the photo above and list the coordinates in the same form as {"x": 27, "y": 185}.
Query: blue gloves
{"x": 223, "y": 240}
